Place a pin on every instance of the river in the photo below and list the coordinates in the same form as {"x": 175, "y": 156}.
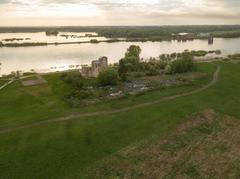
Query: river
{"x": 62, "y": 57}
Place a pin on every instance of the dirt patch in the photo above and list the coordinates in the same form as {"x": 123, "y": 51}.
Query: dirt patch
{"x": 218, "y": 156}
{"x": 33, "y": 82}
{"x": 205, "y": 146}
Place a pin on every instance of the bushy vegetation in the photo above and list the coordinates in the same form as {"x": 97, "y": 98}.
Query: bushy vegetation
{"x": 129, "y": 69}
{"x": 228, "y": 34}
{"x": 130, "y": 62}
{"x": 139, "y": 33}
{"x": 166, "y": 63}
{"x": 13, "y": 39}
{"x": 78, "y": 92}
{"x": 25, "y": 44}
{"x": 108, "y": 77}
{"x": 234, "y": 57}
{"x": 199, "y": 53}
{"x": 94, "y": 41}
{"x": 182, "y": 65}
{"x": 74, "y": 79}
{"x": 52, "y": 32}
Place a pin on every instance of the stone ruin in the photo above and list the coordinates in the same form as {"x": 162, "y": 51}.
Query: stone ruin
{"x": 96, "y": 67}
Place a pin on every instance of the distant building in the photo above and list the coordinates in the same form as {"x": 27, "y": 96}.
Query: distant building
{"x": 210, "y": 40}
{"x": 184, "y": 36}
{"x": 96, "y": 67}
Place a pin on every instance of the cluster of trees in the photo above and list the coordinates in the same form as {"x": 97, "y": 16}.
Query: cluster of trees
{"x": 228, "y": 34}
{"x": 25, "y": 44}
{"x": 52, "y": 32}
{"x": 94, "y": 41}
{"x": 135, "y": 32}
{"x": 130, "y": 63}
{"x": 173, "y": 63}
{"x": 79, "y": 85}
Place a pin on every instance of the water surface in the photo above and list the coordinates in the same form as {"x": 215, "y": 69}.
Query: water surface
{"x": 62, "y": 57}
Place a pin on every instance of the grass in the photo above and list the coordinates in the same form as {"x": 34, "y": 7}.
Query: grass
{"x": 30, "y": 78}
{"x": 46, "y": 101}
{"x": 66, "y": 149}
{"x": 188, "y": 152}
{"x": 2, "y": 82}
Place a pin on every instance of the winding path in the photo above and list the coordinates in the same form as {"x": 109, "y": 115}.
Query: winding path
{"x": 77, "y": 116}
{"x": 6, "y": 84}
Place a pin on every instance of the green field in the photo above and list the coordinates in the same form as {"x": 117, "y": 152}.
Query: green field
{"x": 2, "y": 82}
{"x": 67, "y": 149}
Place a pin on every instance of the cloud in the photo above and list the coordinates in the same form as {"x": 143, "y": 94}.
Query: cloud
{"x": 121, "y": 12}
{"x": 4, "y": 1}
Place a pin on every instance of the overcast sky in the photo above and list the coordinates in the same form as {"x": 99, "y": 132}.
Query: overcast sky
{"x": 118, "y": 12}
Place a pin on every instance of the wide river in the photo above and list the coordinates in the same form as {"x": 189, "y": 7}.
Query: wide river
{"x": 62, "y": 57}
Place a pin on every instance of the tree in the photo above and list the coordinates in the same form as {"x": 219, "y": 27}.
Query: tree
{"x": 108, "y": 77}
{"x": 130, "y": 62}
{"x": 133, "y": 51}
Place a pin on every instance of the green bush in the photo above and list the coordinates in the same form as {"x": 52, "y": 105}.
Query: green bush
{"x": 108, "y": 77}
{"x": 94, "y": 41}
{"x": 182, "y": 65}
{"x": 152, "y": 71}
{"x": 80, "y": 94}
{"x": 74, "y": 79}
{"x": 199, "y": 53}
{"x": 161, "y": 64}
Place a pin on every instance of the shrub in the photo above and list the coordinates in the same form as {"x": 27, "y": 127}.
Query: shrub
{"x": 52, "y": 32}
{"x": 199, "y": 53}
{"x": 183, "y": 65}
{"x": 74, "y": 79}
{"x": 108, "y": 77}
{"x": 80, "y": 94}
{"x": 152, "y": 71}
{"x": 94, "y": 41}
{"x": 162, "y": 64}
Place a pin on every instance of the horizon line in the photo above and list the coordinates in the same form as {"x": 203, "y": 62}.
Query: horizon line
{"x": 42, "y": 26}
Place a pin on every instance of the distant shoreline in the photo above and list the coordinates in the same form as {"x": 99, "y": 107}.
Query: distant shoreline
{"x": 94, "y": 41}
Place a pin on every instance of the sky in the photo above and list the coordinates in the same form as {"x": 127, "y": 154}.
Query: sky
{"x": 118, "y": 12}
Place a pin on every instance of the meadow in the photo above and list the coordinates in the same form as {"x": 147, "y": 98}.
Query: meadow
{"x": 68, "y": 148}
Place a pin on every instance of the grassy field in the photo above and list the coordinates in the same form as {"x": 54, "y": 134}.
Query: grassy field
{"x": 68, "y": 149}
{"x": 205, "y": 146}
{"x": 2, "y": 82}
{"x": 46, "y": 101}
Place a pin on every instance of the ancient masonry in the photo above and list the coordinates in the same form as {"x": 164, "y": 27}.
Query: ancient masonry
{"x": 96, "y": 67}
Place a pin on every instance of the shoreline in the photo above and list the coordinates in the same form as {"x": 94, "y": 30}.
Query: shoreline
{"x": 94, "y": 41}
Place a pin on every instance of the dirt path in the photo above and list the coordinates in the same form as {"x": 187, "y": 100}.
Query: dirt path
{"x": 77, "y": 116}
{"x": 6, "y": 84}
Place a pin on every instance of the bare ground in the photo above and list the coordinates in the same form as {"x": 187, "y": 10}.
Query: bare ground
{"x": 206, "y": 146}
